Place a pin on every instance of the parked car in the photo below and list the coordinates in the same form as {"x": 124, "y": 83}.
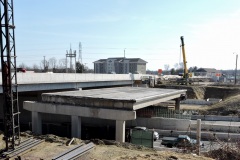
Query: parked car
{"x": 180, "y": 141}
{"x": 155, "y": 134}
{"x": 21, "y": 70}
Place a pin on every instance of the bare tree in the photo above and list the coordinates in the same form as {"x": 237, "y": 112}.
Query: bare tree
{"x": 62, "y": 63}
{"x": 44, "y": 65}
{"x": 22, "y": 65}
{"x": 176, "y": 65}
{"x": 36, "y": 68}
{"x": 52, "y": 63}
{"x": 166, "y": 67}
{"x": 181, "y": 65}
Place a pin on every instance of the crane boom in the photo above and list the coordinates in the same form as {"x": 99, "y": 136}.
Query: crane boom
{"x": 184, "y": 58}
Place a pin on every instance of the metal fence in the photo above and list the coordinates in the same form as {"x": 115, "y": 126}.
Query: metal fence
{"x": 142, "y": 137}
{"x": 162, "y": 112}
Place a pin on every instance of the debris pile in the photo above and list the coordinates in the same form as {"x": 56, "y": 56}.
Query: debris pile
{"x": 226, "y": 152}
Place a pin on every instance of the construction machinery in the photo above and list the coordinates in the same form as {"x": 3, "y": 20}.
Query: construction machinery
{"x": 185, "y": 77}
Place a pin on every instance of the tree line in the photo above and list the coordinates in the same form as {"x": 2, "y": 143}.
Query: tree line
{"x": 176, "y": 70}
{"x": 57, "y": 66}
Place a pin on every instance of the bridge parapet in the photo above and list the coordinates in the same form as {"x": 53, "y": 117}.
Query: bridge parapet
{"x": 30, "y": 78}
{"x": 55, "y": 81}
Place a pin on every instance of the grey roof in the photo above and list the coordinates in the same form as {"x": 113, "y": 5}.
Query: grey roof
{"x": 209, "y": 70}
{"x": 121, "y": 59}
{"x": 100, "y": 61}
{"x": 139, "y": 60}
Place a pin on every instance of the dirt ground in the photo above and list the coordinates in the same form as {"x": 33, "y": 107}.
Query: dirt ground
{"x": 54, "y": 145}
{"x": 230, "y": 94}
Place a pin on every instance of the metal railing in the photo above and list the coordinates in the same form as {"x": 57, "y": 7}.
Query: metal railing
{"x": 162, "y": 112}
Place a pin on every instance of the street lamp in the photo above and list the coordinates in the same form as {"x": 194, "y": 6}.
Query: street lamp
{"x": 235, "y": 82}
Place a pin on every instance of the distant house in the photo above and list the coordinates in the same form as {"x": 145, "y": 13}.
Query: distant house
{"x": 207, "y": 72}
{"x": 211, "y": 73}
{"x": 120, "y": 65}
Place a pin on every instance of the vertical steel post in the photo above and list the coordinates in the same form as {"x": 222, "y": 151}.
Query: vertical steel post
{"x": 9, "y": 75}
{"x": 235, "y": 82}
{"x": 198, "y": 136}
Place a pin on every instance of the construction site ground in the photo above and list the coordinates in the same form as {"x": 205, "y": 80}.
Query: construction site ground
{"x": 54, "y": 145}
{"x": 103, "y": 150}
{"x": 230, "y": 95}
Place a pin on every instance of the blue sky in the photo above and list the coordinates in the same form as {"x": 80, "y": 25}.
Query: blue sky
{"x": 147, "y": 29}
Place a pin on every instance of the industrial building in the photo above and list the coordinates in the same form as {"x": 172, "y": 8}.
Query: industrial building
{"x": 120, "y": 65}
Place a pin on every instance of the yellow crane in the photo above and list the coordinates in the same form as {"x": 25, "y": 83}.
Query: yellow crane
{"x": 185, "y": 79}
{"x": 185, "y": 75}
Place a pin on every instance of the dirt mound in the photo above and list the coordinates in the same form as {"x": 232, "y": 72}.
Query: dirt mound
{"x": 193, "y": 92}
{"x": 204, "y": 92}
{"x": 222, "y": 92}
{"x": 230, "y": 106}
{"x": 120, "y": 144}
{"x": 51, "y": 138}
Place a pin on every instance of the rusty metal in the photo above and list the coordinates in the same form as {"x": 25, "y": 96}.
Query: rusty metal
{"x": 9, "y": 76}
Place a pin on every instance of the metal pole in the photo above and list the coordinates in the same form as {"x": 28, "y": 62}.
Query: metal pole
{"x": 66, "y": 63}
{"x": 198, "y": 136}
{"x": 75, "y": 64}
{"x": 44, "y": 63}
{"x": 236, "y": 69}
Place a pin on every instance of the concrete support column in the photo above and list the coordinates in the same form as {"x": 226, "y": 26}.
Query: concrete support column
{"x": 120, "y": 131}
{"x": 177, "y": 104}
{"x": 76, "y": 126}
{"x": 36, "y": 123}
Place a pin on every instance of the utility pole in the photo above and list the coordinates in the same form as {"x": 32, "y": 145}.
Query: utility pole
{"x": 198, "y": 136}
{"x": 71, "y": 55}
{"x": 80, "y": 56}
{"x": 44, "y": 64}
{"x": 235, "y": 82}
{"x": 124, "y": 61}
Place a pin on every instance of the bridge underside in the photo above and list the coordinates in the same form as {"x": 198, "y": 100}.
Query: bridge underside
{"x": 119, "y": 104}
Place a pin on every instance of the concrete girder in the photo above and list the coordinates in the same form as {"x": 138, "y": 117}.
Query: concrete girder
{"x": 151, "y": 102}
{"x": 51, "y": 108}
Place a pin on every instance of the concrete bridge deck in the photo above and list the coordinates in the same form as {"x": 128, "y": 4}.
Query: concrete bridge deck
{"x": 126, "y": 98}
{"x": 119, "y": 104}
{"x": 52, "y": 81}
